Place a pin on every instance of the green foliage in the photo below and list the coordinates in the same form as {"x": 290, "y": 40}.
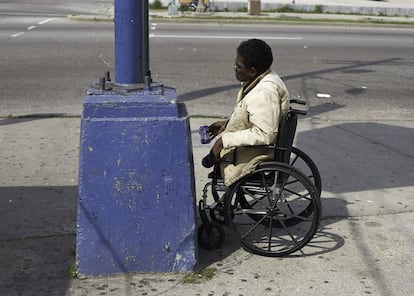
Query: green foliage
{"x": 72, "y": 271}
{"x": 155, "y": 5}
{"x": 199, "y": 276}
{"x": 318, "y": 9}
{"x": 286, "y": 8}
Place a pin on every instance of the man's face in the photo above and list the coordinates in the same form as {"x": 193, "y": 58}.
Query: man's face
{"x": 243, "y": 73}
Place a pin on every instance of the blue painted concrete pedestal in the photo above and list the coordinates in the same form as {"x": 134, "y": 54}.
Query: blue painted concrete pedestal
{"x": 136, "y": 209}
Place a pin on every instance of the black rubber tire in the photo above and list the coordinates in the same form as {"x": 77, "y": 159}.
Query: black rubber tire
{"x": 217, "y": 214}
{"x": 312, "y": 172}
{"x": 211, "y": 236}
{"x": 270, "y": 220}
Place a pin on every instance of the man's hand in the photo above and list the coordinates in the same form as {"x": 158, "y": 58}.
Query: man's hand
{"x": 217, "y": 127}
{"x": 218, "y": 145}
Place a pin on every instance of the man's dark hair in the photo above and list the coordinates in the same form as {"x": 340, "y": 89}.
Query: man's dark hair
{"x": 257, "y": 54}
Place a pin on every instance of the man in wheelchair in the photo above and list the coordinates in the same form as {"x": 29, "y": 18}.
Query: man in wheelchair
{"x": 261, "y": 102}
{"x": 270, "y": 201}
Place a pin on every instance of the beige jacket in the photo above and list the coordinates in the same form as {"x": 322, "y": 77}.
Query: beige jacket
{"x": 254, "y": 121}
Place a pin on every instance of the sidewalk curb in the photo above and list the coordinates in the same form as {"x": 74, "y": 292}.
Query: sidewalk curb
{"x": 91, "y": 17}
{"x": 291, "y": 18}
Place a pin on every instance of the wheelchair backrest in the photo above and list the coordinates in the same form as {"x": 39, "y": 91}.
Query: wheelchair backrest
{"x": 286, "y": 134}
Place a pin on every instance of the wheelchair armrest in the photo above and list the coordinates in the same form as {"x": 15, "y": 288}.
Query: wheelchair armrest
{"x": 234, "y": 158}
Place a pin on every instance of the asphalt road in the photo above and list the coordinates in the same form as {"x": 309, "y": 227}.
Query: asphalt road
{"x": 50, "y": 7}
{"x": 48, "y": 62}
{"x": 351, "y": 68}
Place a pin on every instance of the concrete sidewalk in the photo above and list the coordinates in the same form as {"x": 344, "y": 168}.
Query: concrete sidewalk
{"x": 364, "y": 245}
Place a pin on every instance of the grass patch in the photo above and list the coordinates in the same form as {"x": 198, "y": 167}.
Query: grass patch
{"x": 286, "y": 8}
{"x": 72, "y": 271}
{"x": 257, "y": 20}
{"x": 204, "y": 274}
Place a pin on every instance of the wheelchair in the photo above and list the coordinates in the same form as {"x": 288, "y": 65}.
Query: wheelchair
{"x": 275, "y": 210}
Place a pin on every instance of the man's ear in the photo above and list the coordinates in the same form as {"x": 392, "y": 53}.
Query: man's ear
{"x": 253, "y": 71}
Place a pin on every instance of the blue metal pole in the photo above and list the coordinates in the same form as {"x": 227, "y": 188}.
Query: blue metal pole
{"x": 145, "y": 40}
{"x": 136, "y": 195}
{"x": 129, "y": 50}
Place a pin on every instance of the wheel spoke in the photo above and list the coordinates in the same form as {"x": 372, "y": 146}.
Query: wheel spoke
{"x": 287, "y": 231}
{"x": 305, "y": 196}
{"x": 271, "y": 219}
{"x": 253, "y": 196}
{"x": 254, "y": 227}
{"x": 269, "y": 247}
{"x": 294, "y": 160}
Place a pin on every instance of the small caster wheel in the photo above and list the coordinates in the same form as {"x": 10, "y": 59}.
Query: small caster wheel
{"x": 217, "y": 214}
{"x": 210, "y": 236}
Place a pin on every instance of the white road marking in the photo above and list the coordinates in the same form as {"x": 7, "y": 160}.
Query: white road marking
{"x": 46, "y": 21}
{"x": 17, "y": 34}
{"x": 223, "y": 37}
{"x": 323, "y": 95}
{"x": 34, "y": 27}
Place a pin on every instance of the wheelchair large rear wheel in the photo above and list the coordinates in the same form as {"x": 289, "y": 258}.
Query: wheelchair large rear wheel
{"x": 275, "y": 211}
{"x": 301, "y": 161}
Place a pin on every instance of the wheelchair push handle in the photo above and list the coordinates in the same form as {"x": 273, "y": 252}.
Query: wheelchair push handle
{"x": 297, "y": 112}
{"x": 297, "y": 101}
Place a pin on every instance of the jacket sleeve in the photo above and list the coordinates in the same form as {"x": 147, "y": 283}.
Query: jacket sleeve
{"x": 263, "y": 111}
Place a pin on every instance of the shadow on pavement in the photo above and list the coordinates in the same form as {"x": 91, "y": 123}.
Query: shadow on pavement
{"x": 38, "y": 226}
{"x": 323, "y": 242}
{"x": 352, "y": 158}
{"x": 31, "y": 117}
{"x": 37, "y": 246}
{"x": 351, "y": 67}
{"x": 197, "y": 94}
{"x": 358, "y": 157}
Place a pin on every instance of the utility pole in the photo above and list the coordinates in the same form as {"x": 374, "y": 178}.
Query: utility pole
{"x": 136, "y": 176}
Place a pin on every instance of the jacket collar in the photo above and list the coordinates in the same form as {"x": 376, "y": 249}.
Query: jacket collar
{"x": 247, "y": 87}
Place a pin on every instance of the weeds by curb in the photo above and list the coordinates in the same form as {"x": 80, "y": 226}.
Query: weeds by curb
{"x": 200, "y": 276}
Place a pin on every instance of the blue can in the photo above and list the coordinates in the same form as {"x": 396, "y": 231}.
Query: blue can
{"x": 204, "y": 136}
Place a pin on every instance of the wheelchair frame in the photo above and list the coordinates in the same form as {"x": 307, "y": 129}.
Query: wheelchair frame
{"x": 276, "y": 209}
